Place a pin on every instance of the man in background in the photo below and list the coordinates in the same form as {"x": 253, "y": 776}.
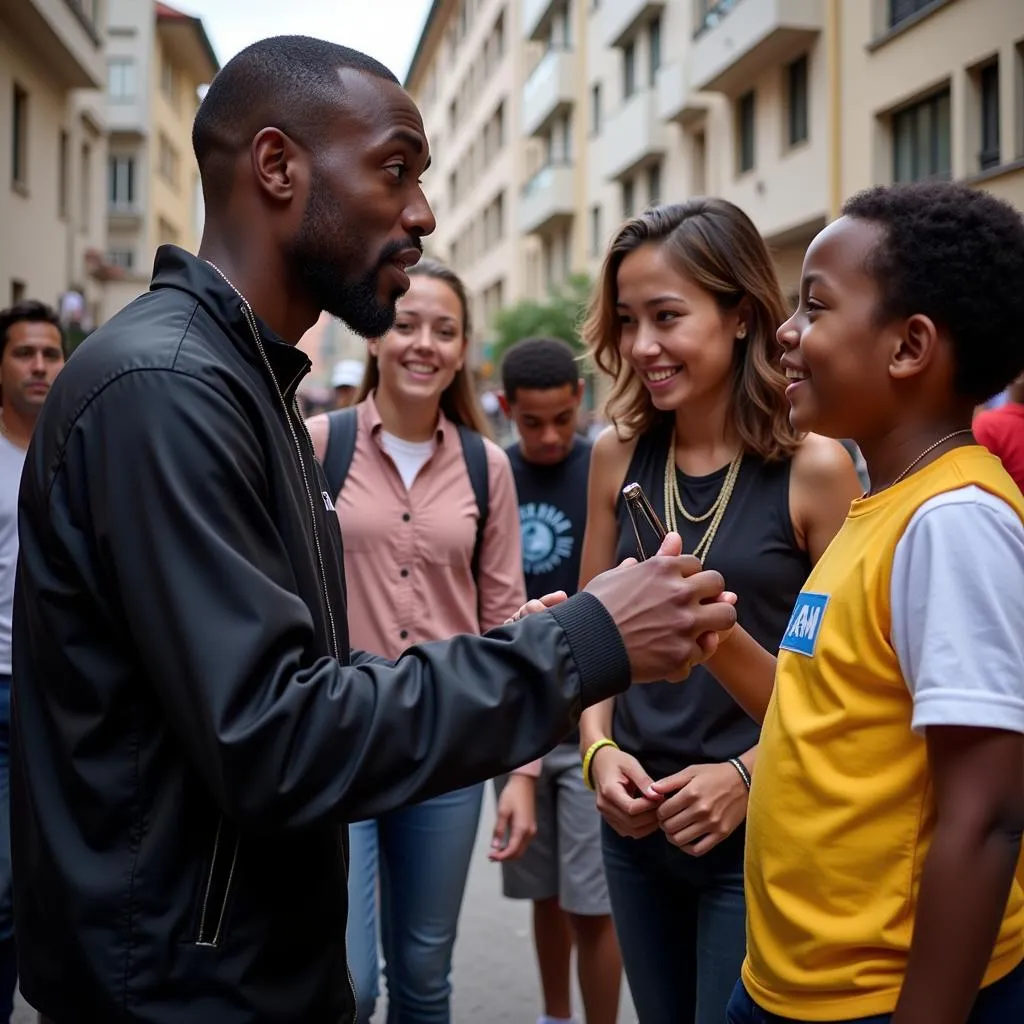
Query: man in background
{"x": 562, "y": 871}
{"x": 31, "y": 356}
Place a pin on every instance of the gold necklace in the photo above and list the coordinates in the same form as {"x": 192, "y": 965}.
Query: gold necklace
{"x": 673, "y": 499}
{"x": 929, "y": 450}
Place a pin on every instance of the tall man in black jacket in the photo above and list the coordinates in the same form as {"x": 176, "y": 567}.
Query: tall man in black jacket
{"x": 191, "y": 730}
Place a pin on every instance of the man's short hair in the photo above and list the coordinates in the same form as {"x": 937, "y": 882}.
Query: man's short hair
{"x": 28, "y": 311}
{"x": 538, "y": 364}
{"x": 285, "y": 82}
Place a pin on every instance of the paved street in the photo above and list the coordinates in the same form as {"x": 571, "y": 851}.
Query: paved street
{"x": 495, "y": 977}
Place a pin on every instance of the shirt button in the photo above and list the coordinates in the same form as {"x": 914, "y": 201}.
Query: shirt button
{"x": 403, "y": 634}
{"x": 404, "y": 573}
{"x": 406, "y": 517}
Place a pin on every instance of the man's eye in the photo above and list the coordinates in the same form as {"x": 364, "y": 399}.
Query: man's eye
{"x": 398, "y": 170}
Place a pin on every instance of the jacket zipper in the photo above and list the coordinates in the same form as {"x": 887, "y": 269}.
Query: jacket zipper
{"x": 250, "y": 319}
{"x": 214, "y": 940}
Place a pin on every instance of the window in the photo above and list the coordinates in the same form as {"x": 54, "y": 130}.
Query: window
{"x": 499, "y": 35}
{"x": 169, "y": 82}
{"x": 595, "y": 230}
{"x": 654, "y": 185}
{"x": 167, "y": 164}
{"x": 629, "y": 71}
{"x": 19, "y": 138}
{"x": 121, "y": 79}
{"x": 699, "y": 157}
{"x": 745, "y": 134}
{"x": 123, "y": 258}
{"x": 900, "y": 10}
{"x": 654, "y": 49}
{"x": 595, "y": 108}
{"x": 796, "y": 75}
{"x": 122, "y": 182}
{"x": 499, "y": 117}
{"x": 921, "y": 143}
{"x": 63, "y": 170}
{"x": 628, "y": 197}
{"x": 85, "y": 182}
{"x": 989, "y": 83}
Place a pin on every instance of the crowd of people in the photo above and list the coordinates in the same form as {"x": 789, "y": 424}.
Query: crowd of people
{"x": 262, "y": 667}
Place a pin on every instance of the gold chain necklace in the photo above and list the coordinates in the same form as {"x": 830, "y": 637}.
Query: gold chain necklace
{"x": 929, "y": 450}
{"x": 674, "y": 500}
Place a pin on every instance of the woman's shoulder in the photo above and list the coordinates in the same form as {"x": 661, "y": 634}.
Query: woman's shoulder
{"x": 821, "y": 461}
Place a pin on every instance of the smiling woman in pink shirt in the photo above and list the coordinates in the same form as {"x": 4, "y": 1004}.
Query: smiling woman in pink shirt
{"x": 409, "y": 522}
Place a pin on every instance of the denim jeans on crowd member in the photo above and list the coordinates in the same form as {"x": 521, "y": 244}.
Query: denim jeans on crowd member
{"x": 8, "y": 959}
{"x": 421, "y": 855}
{"x": 1000, "y": 1003}
{"x": 681, "y": 925}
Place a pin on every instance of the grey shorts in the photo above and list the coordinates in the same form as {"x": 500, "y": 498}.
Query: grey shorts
{"x": 564, "y": 859}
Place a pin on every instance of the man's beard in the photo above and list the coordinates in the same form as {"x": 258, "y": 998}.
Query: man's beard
{"x": 327, "y": 274}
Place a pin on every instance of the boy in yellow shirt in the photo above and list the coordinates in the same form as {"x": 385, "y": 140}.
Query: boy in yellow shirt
{"x": 887, "y": 804}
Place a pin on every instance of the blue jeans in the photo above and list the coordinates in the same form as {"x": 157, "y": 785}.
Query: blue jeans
{"x": 8, "y": 958}
{"x": 1000, "y": 1003}
{"x": 421, "y": 855}
{"x": 681, "y": 925}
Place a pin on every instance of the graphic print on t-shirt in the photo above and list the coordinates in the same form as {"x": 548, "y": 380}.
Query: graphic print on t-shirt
{"x": 805, "y": 623}
{"x": 547, "y": 537}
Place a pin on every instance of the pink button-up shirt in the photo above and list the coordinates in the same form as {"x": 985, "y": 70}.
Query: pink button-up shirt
{"x": 408, "y": 553}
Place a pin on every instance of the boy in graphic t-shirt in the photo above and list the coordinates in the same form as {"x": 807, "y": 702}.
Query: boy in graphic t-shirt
{"x": 562, "y": 871}
{"x": 885, "y": 817}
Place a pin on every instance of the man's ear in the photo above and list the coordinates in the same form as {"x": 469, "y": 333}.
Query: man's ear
{"x": 278, "y": 164}
{"x": 915, "y": 347}
{"x": 506, "y": 406}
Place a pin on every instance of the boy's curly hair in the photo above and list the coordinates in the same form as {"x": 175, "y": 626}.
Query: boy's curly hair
{"x": 956, "y": 255}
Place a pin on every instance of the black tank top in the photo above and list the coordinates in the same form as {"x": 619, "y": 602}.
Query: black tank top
{"x": 668, "y": 726}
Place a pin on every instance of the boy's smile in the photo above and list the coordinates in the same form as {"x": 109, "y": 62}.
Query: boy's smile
{"x": 835, "y": 350}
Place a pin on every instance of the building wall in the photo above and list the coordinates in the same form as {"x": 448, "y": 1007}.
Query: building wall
{"x": 53, "y": 217}
{"x": 883, "y": 72}
{"x": 174, "y": 177}
{"x": 860, "y": 74}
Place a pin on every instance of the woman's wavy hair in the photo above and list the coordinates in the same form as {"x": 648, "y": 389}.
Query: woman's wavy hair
{"x": 459, "y": 401}
{"x": 715, "y": 245}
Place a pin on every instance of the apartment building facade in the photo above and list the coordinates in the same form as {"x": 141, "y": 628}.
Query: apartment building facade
{"x": 785, "y": 107}
{"x": 52, "y": 152}
{"x": 158, "y": 58}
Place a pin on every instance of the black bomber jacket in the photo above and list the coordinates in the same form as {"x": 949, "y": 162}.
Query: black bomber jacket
{"x": 190, "y": 731}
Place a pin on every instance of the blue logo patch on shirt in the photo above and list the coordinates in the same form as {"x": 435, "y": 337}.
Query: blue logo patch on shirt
{"x": 805, "y": 623}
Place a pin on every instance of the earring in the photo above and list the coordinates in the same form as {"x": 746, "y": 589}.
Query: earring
{"x": 742, "y": 332}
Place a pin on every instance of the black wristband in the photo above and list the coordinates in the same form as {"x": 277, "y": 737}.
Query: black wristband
{"x": 742, "y": 769}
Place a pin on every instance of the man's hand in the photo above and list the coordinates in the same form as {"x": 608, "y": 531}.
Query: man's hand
{"x": 624, "y": 795}
{"x": 703, "y": 804}
{"x": 668, "y": 611}
{"x": 516, "y": 821}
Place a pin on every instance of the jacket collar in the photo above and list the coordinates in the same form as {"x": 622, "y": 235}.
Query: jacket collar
{"x": 176, "y": 268}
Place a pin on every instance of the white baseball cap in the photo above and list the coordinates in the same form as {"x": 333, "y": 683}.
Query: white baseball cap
{"x": 347, "y": 374}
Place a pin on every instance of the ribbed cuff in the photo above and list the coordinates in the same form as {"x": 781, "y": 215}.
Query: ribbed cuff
{"x": 596, "y": 646}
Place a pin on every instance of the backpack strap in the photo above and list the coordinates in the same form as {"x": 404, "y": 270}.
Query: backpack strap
{"x": 475, "y": 454}
{"x": 341, "y": 446}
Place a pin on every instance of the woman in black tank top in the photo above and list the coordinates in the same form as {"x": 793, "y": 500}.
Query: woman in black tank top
{"x": 684, "y": 320}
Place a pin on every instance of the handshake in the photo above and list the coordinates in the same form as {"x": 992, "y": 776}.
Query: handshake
{"x": 670, "y": 613}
